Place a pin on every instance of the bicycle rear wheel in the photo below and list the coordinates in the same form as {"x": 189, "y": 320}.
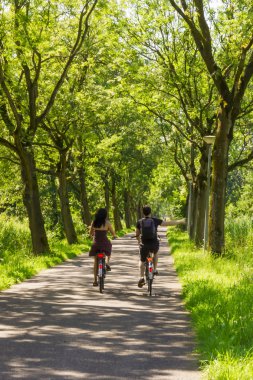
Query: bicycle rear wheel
{"x": 149, "y": 280}
{"x": 101, "y": 274}
{"x": 150, "y": 283}
{"x": 146, "y": 273}
{"x": 101, "y": 284}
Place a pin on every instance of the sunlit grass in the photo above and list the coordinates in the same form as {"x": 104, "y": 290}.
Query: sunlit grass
{"x": 18, "y": 266}
{"x": 219, "y": 293}
{"x": 17, "y": 262}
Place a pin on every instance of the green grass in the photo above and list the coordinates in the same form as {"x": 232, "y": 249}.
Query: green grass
{"x": 19, "y": 265}
{"x": 17, "y": 262}
{"x": 219, "y": 294}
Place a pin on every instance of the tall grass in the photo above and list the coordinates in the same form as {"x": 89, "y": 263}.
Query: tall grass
{"x": 17, "y": 262}
{"x": 219, "y": 294}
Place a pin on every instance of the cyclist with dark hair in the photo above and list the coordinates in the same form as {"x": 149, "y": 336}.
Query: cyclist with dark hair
{"x": 98, "y": 231}
{"x": 150, "y": 243}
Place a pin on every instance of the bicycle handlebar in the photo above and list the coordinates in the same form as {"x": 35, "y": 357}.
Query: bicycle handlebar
{"x": 132, "y": 237}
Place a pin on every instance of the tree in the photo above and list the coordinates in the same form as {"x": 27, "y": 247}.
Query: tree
{"x": 231, "y": 77}
{"x": 175, "y": 89}
{"x": 31, "y": 75}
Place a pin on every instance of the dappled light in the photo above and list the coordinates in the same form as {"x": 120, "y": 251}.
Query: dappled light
{"x": 57, "y": 325}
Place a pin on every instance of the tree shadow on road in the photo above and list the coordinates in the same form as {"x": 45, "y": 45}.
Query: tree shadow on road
{"x": 57, "y": 326}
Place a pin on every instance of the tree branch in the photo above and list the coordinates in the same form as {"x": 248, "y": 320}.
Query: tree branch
{"x": 204, "y": 45}
{"x": 240, "y": 66}
{"x": 11, "y": 101}
{"x": 240, "y": 162}
{"x": 8, "y": 145}
{"x": 81, "y": 35}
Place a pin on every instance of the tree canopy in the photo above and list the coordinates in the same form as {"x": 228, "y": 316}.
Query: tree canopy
{"x": 107, "y": 103}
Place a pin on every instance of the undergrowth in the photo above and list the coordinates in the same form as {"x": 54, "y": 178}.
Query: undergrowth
{"x": 218, "y": 292}
{"x": 17, "y": 262}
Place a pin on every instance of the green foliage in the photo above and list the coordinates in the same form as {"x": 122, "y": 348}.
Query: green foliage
{"x": 239, "y": 234}
{"x": 125, "y": 231}
{"x": 135, "y": 100}
{"x": 218, "y": 292}
{"x": 240, "y": 196}
{"x": 14, "y": 236}
{"x": 17, "y": 262}
{"x": 167, "y": 191}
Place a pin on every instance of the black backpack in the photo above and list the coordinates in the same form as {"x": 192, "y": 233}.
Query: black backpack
{"x": 148, "y": 230}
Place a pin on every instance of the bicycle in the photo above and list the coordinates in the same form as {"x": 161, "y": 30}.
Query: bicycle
{"x": 149, "y": 272}
{"x": 149, "y": 269}
{"x": 101, "y": 270}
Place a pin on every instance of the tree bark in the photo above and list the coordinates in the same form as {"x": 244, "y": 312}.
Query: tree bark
{"x": 55, "y": 218}
{"x": 127, "y": 208}
{"x": 139, "y": 210}
{"x": 219, "y": 182}
{"x": 193, "y": 201}
{"x": 200, "y": 214}
{"x": 107, "y": 195}
{"x": 86, "y": 216}
{"x": 67, "y": 220}
{"x": 31, "y": 199}
{"x": 201, "y": 193}
{"x": 116, "y": 212}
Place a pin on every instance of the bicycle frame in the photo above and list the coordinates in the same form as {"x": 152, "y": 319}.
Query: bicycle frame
{"x": 101, "y": 270}
{"x": 149, "y": 272}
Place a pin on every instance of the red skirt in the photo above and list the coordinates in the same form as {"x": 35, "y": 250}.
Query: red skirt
{"x": 101, "y": 243}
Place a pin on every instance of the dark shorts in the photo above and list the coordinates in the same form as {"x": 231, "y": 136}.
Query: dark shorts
{"x": 145, "y": 248}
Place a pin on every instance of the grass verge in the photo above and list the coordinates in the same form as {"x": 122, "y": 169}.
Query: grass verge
{"x": 16, "y": 266}
{"x": 218, "y": 292}
{"x": 18, "y": 263}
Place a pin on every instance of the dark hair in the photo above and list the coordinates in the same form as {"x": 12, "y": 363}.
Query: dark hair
{"x": 146, "y": 210}
{"x": 100, "y": 218}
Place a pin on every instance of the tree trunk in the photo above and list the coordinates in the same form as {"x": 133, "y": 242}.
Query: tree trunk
{"x": 200, "y": 214}
{"x": 107, "y": 195}
{"x": 192, "y": 216}
{"x": 116, "y": 212}
{"x": 219, "y": 182}
{"x": 31, "y": 199}
{"x": 86, "y": 216}
{"x": 127, "y": 208}
{"x": 67, "y": 220}
{"x": 55, "y": 217}
{"x": 201, "y": 189}
{"x": 139, "y": 210}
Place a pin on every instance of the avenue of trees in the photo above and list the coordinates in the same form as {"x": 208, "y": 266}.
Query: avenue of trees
{"x": 106, "y": 103}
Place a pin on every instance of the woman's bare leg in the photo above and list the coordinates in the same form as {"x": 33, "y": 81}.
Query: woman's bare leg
{"x": 95, "y": 269}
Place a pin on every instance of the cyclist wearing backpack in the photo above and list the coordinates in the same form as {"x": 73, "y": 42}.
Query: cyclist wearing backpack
{"x": 146, "y": 234}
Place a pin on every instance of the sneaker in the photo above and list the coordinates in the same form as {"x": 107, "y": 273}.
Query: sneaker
{"x": 155, "y": 273}
{"x": 108, "y": 268}
{"x": 141, "y": 283}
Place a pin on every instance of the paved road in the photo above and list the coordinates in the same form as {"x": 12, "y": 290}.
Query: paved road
{"x": 58, "y": 326}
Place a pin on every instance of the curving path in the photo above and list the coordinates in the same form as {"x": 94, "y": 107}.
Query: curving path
{"x": 58, "y": 326}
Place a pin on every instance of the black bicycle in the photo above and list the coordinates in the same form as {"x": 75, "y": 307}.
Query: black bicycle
{"x": 149, "y": 272}
{"x": 101, "y": 270}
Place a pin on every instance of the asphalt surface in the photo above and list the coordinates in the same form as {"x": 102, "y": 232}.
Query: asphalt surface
{"x": 58, "y": 326}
